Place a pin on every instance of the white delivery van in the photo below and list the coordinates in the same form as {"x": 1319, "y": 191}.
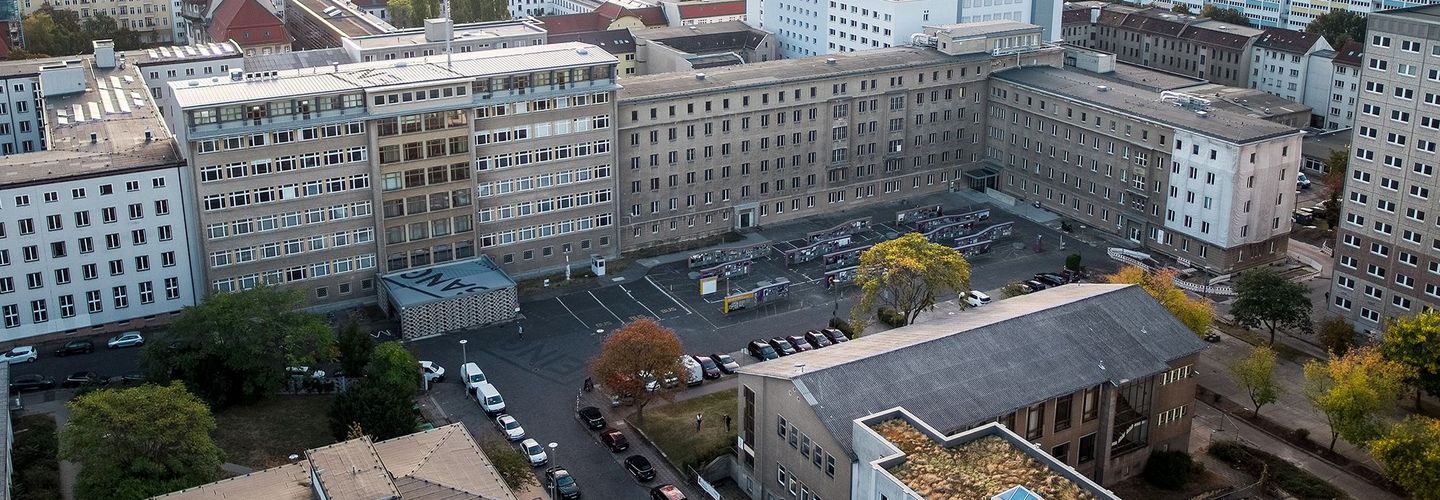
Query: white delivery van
{"x": 489, "y": 399}
{"x": 694, "y": 374}
{"x": 471, "y": 376}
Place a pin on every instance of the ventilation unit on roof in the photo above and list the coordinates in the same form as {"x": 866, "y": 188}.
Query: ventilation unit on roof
{"x": 700, "y": 76}
{"x": 1102, "y": 88}
{"x": 830, "y": 61}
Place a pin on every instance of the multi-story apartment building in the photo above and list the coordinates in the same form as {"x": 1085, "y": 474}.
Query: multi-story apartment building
{"x": 324, "y": 176}
{"x": 1346, "y": 85}
{"x": 1283, "y": 62}
{"x": 1387, "y": 251}
{"x": 1188, "y": 45}
{"x": 1120, "y": 383}
{"x": 156, "y": 21}
{"x": 809, "y": 28}
{"x": 20, "y": 109}
{"x": 320, "y": 24}
{"x": 429, "y": 40}
{"x": 767, "y": 142}
{"x": 1205, "y": 185}
{"x": 1289, "y": 14}
{"x": 93, "y": 219}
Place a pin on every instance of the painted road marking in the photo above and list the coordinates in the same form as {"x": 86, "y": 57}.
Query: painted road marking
{"x": 667, "y": 294}
{"x": 572, "y": 313}
{"x": 602, "y": 304}
{"x": 642, "y": 304}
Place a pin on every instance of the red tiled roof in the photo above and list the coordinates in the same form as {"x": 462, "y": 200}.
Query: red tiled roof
{"x": 575, "y": 23}
{"x": 1350, "y": 54}
{"x": 650, "y": 16}
{"x": 1294, "y": 42}
{"x": 248, "y": 23}
{"x": 712, "y": 9}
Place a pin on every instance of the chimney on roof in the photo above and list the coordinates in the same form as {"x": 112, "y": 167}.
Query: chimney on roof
{"x": 94, "y": 138}
{"x": 104, "y": 53}
{"x": 149, "y": 135}
{"x": 700, "y": 76}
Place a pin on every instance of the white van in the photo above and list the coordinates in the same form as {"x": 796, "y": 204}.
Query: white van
{"x": 694, "y": 374}
{"x": 471, "y": 375}
{"x": 976, "y": 298}
{"x": 489, "y": 399}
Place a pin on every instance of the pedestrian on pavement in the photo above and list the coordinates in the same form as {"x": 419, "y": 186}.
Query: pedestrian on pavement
{"x": 520, "y": 328}
{"x": 727, "y": 422}
{"x": 698, "y": 419}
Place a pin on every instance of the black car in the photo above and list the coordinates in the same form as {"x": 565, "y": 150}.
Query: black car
{"x": 1035, "y": 286}
{"x": 708, "y": 367}
{"x": 78, "y": 379}
{"x": 801, "y": 345}
{"x": 817, "y": 339}
{"x": 782, "y": 346}
{"x": 1051, "y": 279}
{"x": 761, "y": 350}
{"x": 835, "y": 335}
{"x": 31, "y": 382}
{"x": 591, "y": 417}
{"x": 564, "y": 485}
{"x": 615, "y": 440}
{"x": 640, "y": 468}
{"x": 726, "y": 363}
{"x": 76, "y": 347}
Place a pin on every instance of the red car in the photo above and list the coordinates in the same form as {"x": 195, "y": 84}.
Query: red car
{"x": 615, "y": 440}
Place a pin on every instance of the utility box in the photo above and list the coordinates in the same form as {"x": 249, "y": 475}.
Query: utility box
{"x": 597, "y": 264}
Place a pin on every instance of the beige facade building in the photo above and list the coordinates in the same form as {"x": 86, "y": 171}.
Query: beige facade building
{"x": 764, "y": 143}
{"x": 328, "y": 177}
{"x": 154, "y": 20}
{"x": 1188, "y": 45}
{"x": 1120, "y": 384}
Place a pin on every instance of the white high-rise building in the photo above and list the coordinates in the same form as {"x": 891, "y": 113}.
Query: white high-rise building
{"x": 814, "y": 27}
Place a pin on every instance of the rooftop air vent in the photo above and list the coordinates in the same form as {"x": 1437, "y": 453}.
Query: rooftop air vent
{"x": 700, "y": 76}
{"x": 830, "y": 61}
{"x": 1102, "y": 88}
{"x": 582, "y": 51}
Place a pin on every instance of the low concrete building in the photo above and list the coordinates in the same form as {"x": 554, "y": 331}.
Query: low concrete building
{"x": 447, "y": 297}
{"x": 1317, "y": 147}
{"x": 1097, "y": 375}
{"x": 250, "y": 25}
{"x": 619, "y": 43}
{"x": 695, "y": 47}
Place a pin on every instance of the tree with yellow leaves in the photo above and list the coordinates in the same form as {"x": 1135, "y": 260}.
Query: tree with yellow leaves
{"x": 1414, "y": 341}
{"x": 1195, "y": 313}
{"x": 1410, "y": 454}
{"x": 907, "y": 274}
{"x": 1353, "y": 390}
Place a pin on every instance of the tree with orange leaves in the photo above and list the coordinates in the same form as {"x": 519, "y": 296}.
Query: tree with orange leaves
{"x": 1195, "y": 313}
{"x": 639, "y": 350}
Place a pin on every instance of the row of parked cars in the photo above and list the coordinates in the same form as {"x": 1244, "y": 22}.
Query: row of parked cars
{"x": 776, "y": 347}
{"x": 1042, "y": 281}
{"x": 28, "y": 353}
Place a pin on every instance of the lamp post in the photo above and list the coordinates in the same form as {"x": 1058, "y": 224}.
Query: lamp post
{"x": 464, "y": 358}
{"x": 554, "y": 449}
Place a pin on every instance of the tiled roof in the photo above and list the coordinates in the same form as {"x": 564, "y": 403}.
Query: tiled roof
{"x": 613, "y": 41}
{"x": 1350, "y": 54}
{"x": 1075, "y": 16}
{"x": 712, "y": 9}
{"x": 248, "y": 23}
{"x": 1290, "y": 41}
{"x": 977, "y": 365}
{"x": 1163, "y": 24}
{"x": 574, "y": 23}
{"x": 651, "y": 16}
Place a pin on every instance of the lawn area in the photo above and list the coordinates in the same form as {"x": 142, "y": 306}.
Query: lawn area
{"x": 262, "y": 435}
{"x": 672, "y": 428}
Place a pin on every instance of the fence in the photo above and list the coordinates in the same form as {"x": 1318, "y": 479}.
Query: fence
{"x": 1120, "y": 255}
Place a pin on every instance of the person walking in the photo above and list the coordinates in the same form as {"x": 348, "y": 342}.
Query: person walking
{"x": 698, "y": 419}
{"x": 520, "y": 328}
{"x": 727, "y": 422}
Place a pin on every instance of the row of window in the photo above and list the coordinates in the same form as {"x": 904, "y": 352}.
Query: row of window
{"x": 108, "y": 215}
{"x": 60, "y": 249}
{"x": 94, "y": 302}
{"x": 36, "y": 280}
{"x": 79, "y": 193}
{"x": 542, "y": 129}
{"x": 546, "y": 205}
{"x": 543, "y": 181}
{"x": 538, "y": 105}
{"x": 421, "y": 177}
{"x": 420, "y": 150}
{"x": 549, "y": 230}
{"x": 796, "y": 94}
{"x": 268, "y": 223}
{"x": 297, "y": 273}
{"x": 282, "y": 164}
{"x": 416, "y": 205}
{"x": 425, "y": 122}
{"x": 542, "y": 155}
{"x": 435, "y": 228}
{"x": 294, "y": 246}
{"x": 235, "y": 143}
{"x": 462, "y": 249}
{"x": 272, "y": 194}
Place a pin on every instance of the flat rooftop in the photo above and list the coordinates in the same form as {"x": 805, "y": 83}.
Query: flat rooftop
{"x": 168, "y": 54}
{"x": 1149, "y": 78}
{"x": 1320, "y": 145}
{"x": 1085, "y": 87}
{"x": 116, "y": 109}
{"x": 1254, "y": 103}
{"x": 347, "y": 20}
{"x": 370, "y": 75}
{"x": 297, "y": 60}
{"x": 463, "y": 32}
{"x": 1427, "y": 13}
{"x": 979, "y": 468}
{"x": 672, "y": 84}
{"x": 413, "y": 287}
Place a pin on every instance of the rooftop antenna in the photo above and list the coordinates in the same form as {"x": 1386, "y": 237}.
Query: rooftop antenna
{"x": 449, "y": 28}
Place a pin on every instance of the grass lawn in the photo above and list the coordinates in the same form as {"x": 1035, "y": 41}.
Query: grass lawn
{"x": 672, "y": 428}
{"x": 262, "y": 435}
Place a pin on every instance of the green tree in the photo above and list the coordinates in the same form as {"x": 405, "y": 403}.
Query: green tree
{"x": 908, "y": 274}
{"x": 1232, "y": 16}
{"x": 394, "y": 368}
{"x": 1414, "y": 341}
{"x": 1072, "y": 262}
{"x": 1337, "y": 336}
{"x": 1336, "y": 166}
{"x": 1181, "y": 8}
{"x": 512, "y": 464}
{"x": 1264, "y": 298}
{"x": 233, "y": 347}
{"x": 1352, "y": 391}
{"x": 139, "y": 442}
{"x": 1338, "y": 26}
{"x": 354, "y": 348}
{"x": 641, "y": 347}
{"x": 1195, "y": 313}
{"x": 379, "y": 411}
{"x": 1410, "y": 454}
{"x": 1013, "y": 290}
{"x": 1256, "y": 374}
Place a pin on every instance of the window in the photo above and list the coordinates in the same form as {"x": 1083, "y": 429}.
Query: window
{"x": 1087, "y": 449}
{"x": 1063, "y": 405}
{"x": 1034, "y": 422}
{"x": 1091, "y": 408}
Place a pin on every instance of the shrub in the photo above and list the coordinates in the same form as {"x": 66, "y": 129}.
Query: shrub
{"x": 890, "y": 316}
{"x": 1302, "y": 434}
{"x": 36, "y": 459}
{"x": 1072, "y": 262}
{"x": 843, "y": 326}
{"x": 1168, "y": 469}
{"x": 1283, "y": 474}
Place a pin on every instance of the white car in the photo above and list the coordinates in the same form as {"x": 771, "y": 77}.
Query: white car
{"x": 536, "y": 452}
{"x": 127, "y": 339}
{"x": 511, "y": 427}
{"x": 22, "y": 354}
{"x": 433, "y": 373}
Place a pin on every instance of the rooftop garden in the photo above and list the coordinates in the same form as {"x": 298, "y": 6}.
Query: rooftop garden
{"x": 978, "y": 469}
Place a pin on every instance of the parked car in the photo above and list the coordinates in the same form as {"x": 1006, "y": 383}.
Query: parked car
{"x": 615, "y": 440}
{"x": 532, "y": 449}
{"x": 818, "y": 339}
{"x": 471, "y": 375}
{"x": 30, "y": 382}
{"x": 639, "y": 467}
{"x": 976, "y": 298}
{"x": 708, "y": 367}
{"x": 690, "y": 367}
{"x": 591, "y": 417}
{"x": 782, "y": 346}
{"x": 432, "y": 372}
{"x": 835, "y": 335}
{"x": 1302, "y": 181}
{"x": 76, "y": 347}
{"x": 22, "y": 354}
{"x": 726, "y": 363}
{"x": 490, "y": 399}
{"x": 511, "y": 427}
{"x": 134, "y": 378}
{"x": 1051, "y": 279}
{"x": 761, "y": 350}
{"x": 666, "y": 492}
{"x": 801, "y": 345}
{"x": 78, "y": 379}
{"x": 1212, "y": 337}
{"x": 564, "y": 485}
{"x": 127, "y": 339}
{"x": 1034, "y": 286}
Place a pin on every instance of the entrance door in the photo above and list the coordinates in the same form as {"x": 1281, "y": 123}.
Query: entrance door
{"x": 745, "y": 218}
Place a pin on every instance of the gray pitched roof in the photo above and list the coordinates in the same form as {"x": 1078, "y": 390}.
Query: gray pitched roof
{"x": 985, "y": 362}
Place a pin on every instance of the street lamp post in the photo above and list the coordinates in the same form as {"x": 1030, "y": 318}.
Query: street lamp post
{"x": 464, "y": 358}
{"x": 554, "y": 448}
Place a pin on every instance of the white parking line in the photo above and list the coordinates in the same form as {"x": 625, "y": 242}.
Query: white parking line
{"x": 637, "y": 301}
{"x": 572, "y": 313}
{"x": 667, "y": 294}
{"x": 607, "y": 308}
